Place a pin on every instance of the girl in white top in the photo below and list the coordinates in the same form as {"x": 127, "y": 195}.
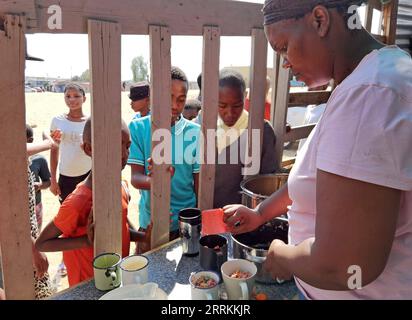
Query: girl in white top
{"x": 73, "y": 164}
{"x": 349, "y": 195}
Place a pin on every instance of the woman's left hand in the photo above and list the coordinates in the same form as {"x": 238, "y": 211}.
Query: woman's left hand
{"x": 272, "y": 264}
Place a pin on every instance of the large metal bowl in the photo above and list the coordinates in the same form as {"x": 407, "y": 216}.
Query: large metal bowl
{"x": 257, "y": 189}
{"x": 254, "y": 245}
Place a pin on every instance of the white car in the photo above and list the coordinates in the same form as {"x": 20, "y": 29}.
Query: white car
{"x": 29, "y": 89}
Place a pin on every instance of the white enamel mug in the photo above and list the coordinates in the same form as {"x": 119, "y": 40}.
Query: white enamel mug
{"x": 134, "y": 269}
{"x": 239, "y": 288}
{"x": 210, "y": 293}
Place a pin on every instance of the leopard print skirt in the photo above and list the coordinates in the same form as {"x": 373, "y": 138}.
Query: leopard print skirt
{"x": 42, "y": 285}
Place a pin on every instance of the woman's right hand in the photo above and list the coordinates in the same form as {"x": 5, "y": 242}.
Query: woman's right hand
{"x": 54, "y": 187}
{"x": 241, "y": 219}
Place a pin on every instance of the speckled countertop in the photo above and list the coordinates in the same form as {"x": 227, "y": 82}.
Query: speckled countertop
{"x": 171, "y": 271}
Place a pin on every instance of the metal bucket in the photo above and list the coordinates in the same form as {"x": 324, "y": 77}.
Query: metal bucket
{"x": 254, "y": 245}
{"x": 256, "y": 189}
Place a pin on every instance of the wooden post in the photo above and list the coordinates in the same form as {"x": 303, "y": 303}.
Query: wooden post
{"x": 258, "y": 74}
{"x": 390, "y": 15}
{"x": 15, "y": 241}
{"x": 160, "y": 60}
{"x": 210, "y": 101}
{"x": 104, "y": 53}
{"x": 281, "y": 111}
{"x": 275, "y": 81}
{"x": 368, "y": 17}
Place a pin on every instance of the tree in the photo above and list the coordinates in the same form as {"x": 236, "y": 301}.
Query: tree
{"x": 85, "y": 76}
{"x": 139, "y": 69}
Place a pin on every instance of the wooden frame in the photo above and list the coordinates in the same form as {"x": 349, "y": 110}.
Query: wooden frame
{"x": 160, "y": 44}
{"x": 210, "y": 99}
{"x": 103, "y": 20}
{"x": 258, "y": 74}
{"x": 183, "y": 17}
{"x": 16, "y": 247}
{"x": 104, "y": 52}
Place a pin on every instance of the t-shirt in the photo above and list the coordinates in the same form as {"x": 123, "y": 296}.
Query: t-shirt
{"x": 267, "y": 108}
{"x": 41, "y": 172}
{"x": 365, "y": 134}
{"x": 185, "y": 143}
{"x": 72, "y": 221}
{"x": 229, "y": 164}
{"x": 73, "y": 161}
{"x": 138, "y": 115}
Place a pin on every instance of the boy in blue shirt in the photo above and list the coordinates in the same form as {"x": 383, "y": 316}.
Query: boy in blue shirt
{"x": 185, "y": 173}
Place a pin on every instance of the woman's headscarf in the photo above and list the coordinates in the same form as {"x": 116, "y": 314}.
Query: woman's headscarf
{"x": 277, "y": 10}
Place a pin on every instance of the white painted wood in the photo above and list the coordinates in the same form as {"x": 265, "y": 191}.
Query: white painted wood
{"x": 184, "y": 17}
{"x": 16, "y": 246}
{"x": 160, "y": 44}
{"x": 210, "y": 101}
{"x": 258, "y": 73}
{"x": 282, "y": 101}
{"x": 104, "y": 52}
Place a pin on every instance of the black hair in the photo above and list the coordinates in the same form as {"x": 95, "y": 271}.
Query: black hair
{"x": 232, "y": 78}
{"x": 342, "y": 9}
{"x": 29, "y": 131}
{"x": 178, "y": 74}
{"x": 193, "y": 104}
{"x": 74, "y": 86}
{"x": 199, "y": 81}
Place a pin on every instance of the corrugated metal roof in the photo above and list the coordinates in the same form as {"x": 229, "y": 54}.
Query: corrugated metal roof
{"x": 404, "y": 25}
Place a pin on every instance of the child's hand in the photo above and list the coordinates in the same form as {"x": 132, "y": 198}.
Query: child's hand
{"x": 171, "y": 169}
{"x": 148, "y": 233}
{"x": 90, "y": 228}
{"x": 54, "y": 187}
{"x": 40, "y": 263}
{"x": 37, "y": 186}
{"x": 56, "y": 135}
{"x": 53, "y": 143}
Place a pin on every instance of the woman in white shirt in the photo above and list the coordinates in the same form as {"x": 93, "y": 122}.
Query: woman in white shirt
{"x": 349, "y": 194}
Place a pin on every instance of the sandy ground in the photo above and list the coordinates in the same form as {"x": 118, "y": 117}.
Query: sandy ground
{"x": 40, "y": 109}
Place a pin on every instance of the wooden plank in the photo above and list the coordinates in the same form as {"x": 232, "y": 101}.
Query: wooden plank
{"x": 390, "y": 15}
{"x": 380, "y": 38}
{"x": 210, "y": 100}
{"x": 299, "y": 132}
{"x": 15, "y": 239}
{"x": 282, "y": 100}
{"x": 368, "y": 17}
{"x": 104, "y": 53}
{"x": 275, "y": 81}
{"x": 184, "y": 17}
{"x": 309, "y": 97}
{"x": 17, "y": 7}
{"x": 258, "y": 73}
{"x": 160, "y": 60}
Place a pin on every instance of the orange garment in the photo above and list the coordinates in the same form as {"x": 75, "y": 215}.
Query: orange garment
{"x": 72, "y": 222}
{"x": 267, "y": 108}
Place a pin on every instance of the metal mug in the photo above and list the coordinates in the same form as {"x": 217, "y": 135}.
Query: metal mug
{"x": 190, "y": 225}
{"x": 213, "y": 252}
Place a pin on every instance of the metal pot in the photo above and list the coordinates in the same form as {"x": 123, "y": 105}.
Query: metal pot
{"x": 254, "y": 245}
{"x": 258, "y": 188}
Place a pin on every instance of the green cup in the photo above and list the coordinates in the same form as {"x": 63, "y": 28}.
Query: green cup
{"x": 107, "y": 272}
